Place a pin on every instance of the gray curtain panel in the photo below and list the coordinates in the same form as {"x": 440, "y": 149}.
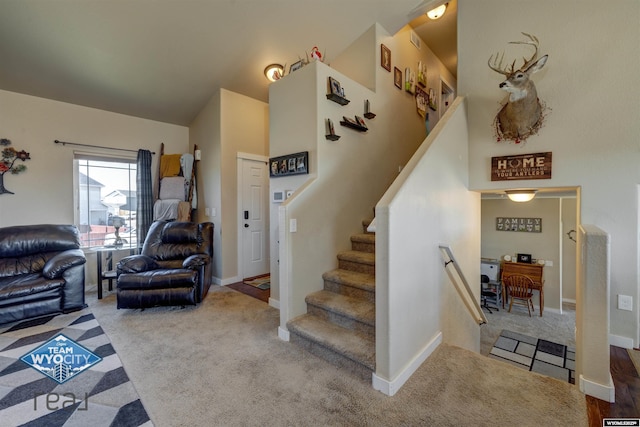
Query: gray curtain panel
{"x": 145, "y": 194}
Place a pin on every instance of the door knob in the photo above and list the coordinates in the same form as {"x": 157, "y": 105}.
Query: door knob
{"x": 246, "y": 226}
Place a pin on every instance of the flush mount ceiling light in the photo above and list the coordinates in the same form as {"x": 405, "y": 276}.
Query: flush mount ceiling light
{"x": 437, "y": 12}
{"x": 521, "y": 195}
{"x": 274, "y": 72}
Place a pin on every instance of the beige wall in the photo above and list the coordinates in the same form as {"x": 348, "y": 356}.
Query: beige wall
{"x": 590, "y": 84}
{"x": 204, "y": 131}
{"x": 44, "y": 192}
{"x": 229, "y": 124}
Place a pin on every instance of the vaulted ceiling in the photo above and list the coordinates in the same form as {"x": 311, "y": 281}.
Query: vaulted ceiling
{"x": 163, "y": 59}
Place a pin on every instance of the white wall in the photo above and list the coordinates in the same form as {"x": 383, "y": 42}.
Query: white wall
{"x": 568, "y": 207}
{"x": 229, "y": 123}
{"x": 44, "y": 192}
{"x": 428, "y": 205}
{"x": 590, "y": 84}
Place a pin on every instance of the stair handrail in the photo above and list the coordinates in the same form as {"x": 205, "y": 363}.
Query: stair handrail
{"x": 472, "y": 304}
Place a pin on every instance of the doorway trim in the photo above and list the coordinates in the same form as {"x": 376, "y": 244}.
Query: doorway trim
{"x": 446, "y": 90}
{"x": 240, "y": 158}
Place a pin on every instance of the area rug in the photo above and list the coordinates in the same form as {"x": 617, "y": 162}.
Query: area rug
{"x": 263, "y": 282}
{"x": 100, "y": 394}
{"x": 536, "y": 355}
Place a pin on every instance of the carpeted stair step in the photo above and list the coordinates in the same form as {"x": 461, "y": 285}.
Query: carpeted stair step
{"x": 351, "y": 283}
{"x": 364, "y": 242}
{"x": 362, "y": 262}
{"x": 342, "y": 347}
{"x": 349, "y": 312}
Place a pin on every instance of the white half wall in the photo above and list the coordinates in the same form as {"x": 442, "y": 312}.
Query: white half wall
{"x": 428, "y": 205}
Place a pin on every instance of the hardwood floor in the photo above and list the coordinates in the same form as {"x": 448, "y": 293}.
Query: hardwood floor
{"x": 627, "y": 384}
{"x": 262, "y": 295}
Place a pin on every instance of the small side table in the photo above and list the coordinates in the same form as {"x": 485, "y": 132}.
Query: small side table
{"x": 110, "y": 273}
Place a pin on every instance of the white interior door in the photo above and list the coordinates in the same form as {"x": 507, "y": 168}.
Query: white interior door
{"x": 254, "y": 218}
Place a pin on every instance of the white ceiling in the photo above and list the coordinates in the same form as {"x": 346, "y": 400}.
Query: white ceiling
{"x": 163, "y": 59}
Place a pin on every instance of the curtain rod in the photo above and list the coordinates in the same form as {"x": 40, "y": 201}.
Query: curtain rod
{"x": 96, "y": 146}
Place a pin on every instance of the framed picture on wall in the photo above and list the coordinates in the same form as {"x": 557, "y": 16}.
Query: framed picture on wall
{"x": 397, "y": 77}
{"x": 291, "y": 164}
{"x": 385, "y": 57}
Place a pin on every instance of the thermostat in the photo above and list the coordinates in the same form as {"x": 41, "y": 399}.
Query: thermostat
{"x": 277, "y": 197}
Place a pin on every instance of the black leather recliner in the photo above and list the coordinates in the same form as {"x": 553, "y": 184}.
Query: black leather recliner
{"x": 41, "y": 271}
{"x": 174, "y": 267}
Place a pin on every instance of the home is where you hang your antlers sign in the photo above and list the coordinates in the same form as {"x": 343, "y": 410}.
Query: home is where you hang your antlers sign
{"x": 523, "y": 113}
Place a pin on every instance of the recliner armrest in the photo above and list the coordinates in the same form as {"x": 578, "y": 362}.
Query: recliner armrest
{"x": 136, "y": 264}
{"x": 56, "y": 266}
{"x": 195, "y": 261}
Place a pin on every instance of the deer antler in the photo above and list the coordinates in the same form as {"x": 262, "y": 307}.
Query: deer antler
{"x": 507, "y": 71}
{"x": 497, "y": 65}
{"x": 533, "y": 41}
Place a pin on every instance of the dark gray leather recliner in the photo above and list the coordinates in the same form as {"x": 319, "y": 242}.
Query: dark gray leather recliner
{"x": 41, "y": 271}
{"x": 174, "y": 267}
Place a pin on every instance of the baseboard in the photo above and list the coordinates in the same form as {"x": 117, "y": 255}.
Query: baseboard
{"x": 600, "y": 391}
{"x": 224, "y": 282}
{"x": 283, "y": 334}
{"x": 391, "y": 387}
{"x": 274, "y": 303}
{"x": 619, "y": 341}
{"x": 569, "y": 301}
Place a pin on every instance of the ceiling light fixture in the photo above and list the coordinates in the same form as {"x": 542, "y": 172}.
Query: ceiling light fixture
{"x": 521, "y": 195}
{"x": 437, "y": 12}
{"x": 274, "y": 72}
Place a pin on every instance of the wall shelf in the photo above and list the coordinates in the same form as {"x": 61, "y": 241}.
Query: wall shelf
{"x": 354, "y": 126}
{"x": 369, "y": 115}
{"x": 332, "y": 137}
{"x": 337, "y": 98}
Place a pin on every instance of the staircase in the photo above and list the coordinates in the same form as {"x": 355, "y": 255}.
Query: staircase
{"x": 339, "y": 325}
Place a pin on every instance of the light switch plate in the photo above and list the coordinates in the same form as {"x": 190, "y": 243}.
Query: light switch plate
{"x": 625, "y": 302}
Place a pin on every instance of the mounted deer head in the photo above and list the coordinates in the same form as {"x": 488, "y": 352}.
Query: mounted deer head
{"x": 522, "y": 114}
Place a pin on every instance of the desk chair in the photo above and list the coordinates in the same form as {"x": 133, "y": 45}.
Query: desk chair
{"x": 520, "y": 288}
{"x": 487, "y": 293}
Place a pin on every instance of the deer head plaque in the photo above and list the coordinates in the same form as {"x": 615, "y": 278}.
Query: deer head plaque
{"x": 522, "y": 114}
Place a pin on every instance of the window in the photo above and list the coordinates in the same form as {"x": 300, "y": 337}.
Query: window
{"x": 105, "y": 188}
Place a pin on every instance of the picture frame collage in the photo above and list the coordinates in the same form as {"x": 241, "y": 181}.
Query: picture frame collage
{"x": 414, "y": 83}
{"x": 290, "y": 164}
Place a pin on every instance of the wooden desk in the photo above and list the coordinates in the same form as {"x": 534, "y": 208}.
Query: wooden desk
{"x": 533, "y": 271}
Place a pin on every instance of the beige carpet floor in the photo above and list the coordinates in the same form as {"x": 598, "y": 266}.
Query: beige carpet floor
{"x": 222, "y": 364}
